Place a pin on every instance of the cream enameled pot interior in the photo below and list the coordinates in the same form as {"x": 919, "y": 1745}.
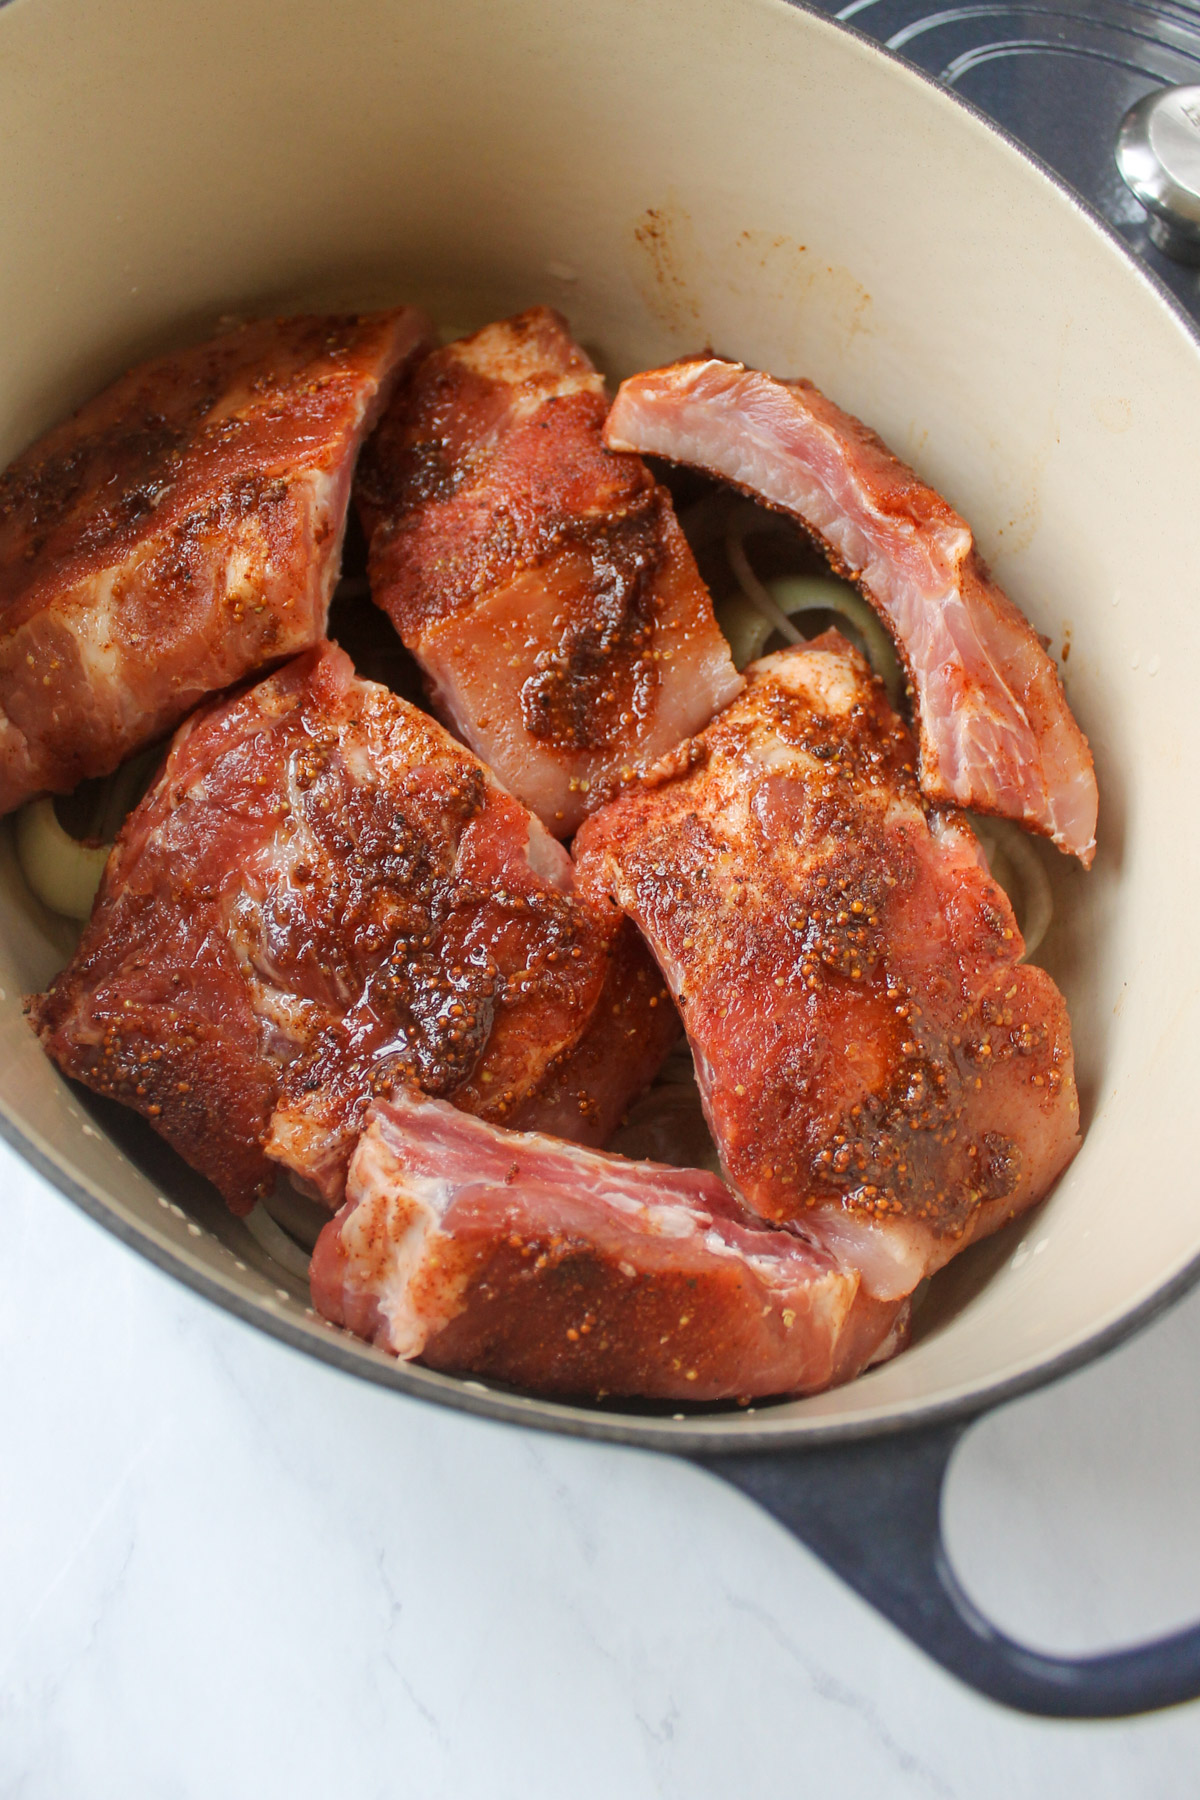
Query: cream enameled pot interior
{"x": 725, "y": 172}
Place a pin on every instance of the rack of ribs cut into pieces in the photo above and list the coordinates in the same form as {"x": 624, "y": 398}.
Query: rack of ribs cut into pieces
{"x": 342, "y": 941}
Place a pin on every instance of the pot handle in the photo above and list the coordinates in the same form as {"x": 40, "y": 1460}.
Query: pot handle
{"x": 871, "y": 1510}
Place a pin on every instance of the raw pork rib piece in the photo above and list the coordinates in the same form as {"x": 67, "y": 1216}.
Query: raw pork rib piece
{"x": 634, "y": 1025}
{"x": 566, "y": 1271}
{"x": 181, "y": 530}
{"x": 996, "y": 731}
{"x": 324, "y": 893}
{"x": 542, "y": 582}
{"x": 872, "y": 1059}
{"x": 610, "y": 1047}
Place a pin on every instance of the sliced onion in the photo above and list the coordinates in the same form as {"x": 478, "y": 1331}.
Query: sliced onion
{"x": 707, "y": 521}
{"x": 745, "y": 629}
{"x": 62, "y": 872}
{"x": 276, "y": 1242}
{"x": 756, "y": 592}
{"x": 759, "y": 609}
{"x": 797, "y": 594}
{"x": 1016, "y": 864}
{"x": 121, "y": 791}
{"x": 303, "y": 1216}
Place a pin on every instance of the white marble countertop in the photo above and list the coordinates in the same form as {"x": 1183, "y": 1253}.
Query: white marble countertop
{"x": 228, "y": 1571}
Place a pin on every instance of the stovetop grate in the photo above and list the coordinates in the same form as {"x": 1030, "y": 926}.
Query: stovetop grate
{"x": 1060, "y": 78}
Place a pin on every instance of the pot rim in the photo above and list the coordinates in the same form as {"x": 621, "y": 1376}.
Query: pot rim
{"x": 711, "y": 1434}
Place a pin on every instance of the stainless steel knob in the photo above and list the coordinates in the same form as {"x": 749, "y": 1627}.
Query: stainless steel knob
{"x": 1158, "y": 154}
